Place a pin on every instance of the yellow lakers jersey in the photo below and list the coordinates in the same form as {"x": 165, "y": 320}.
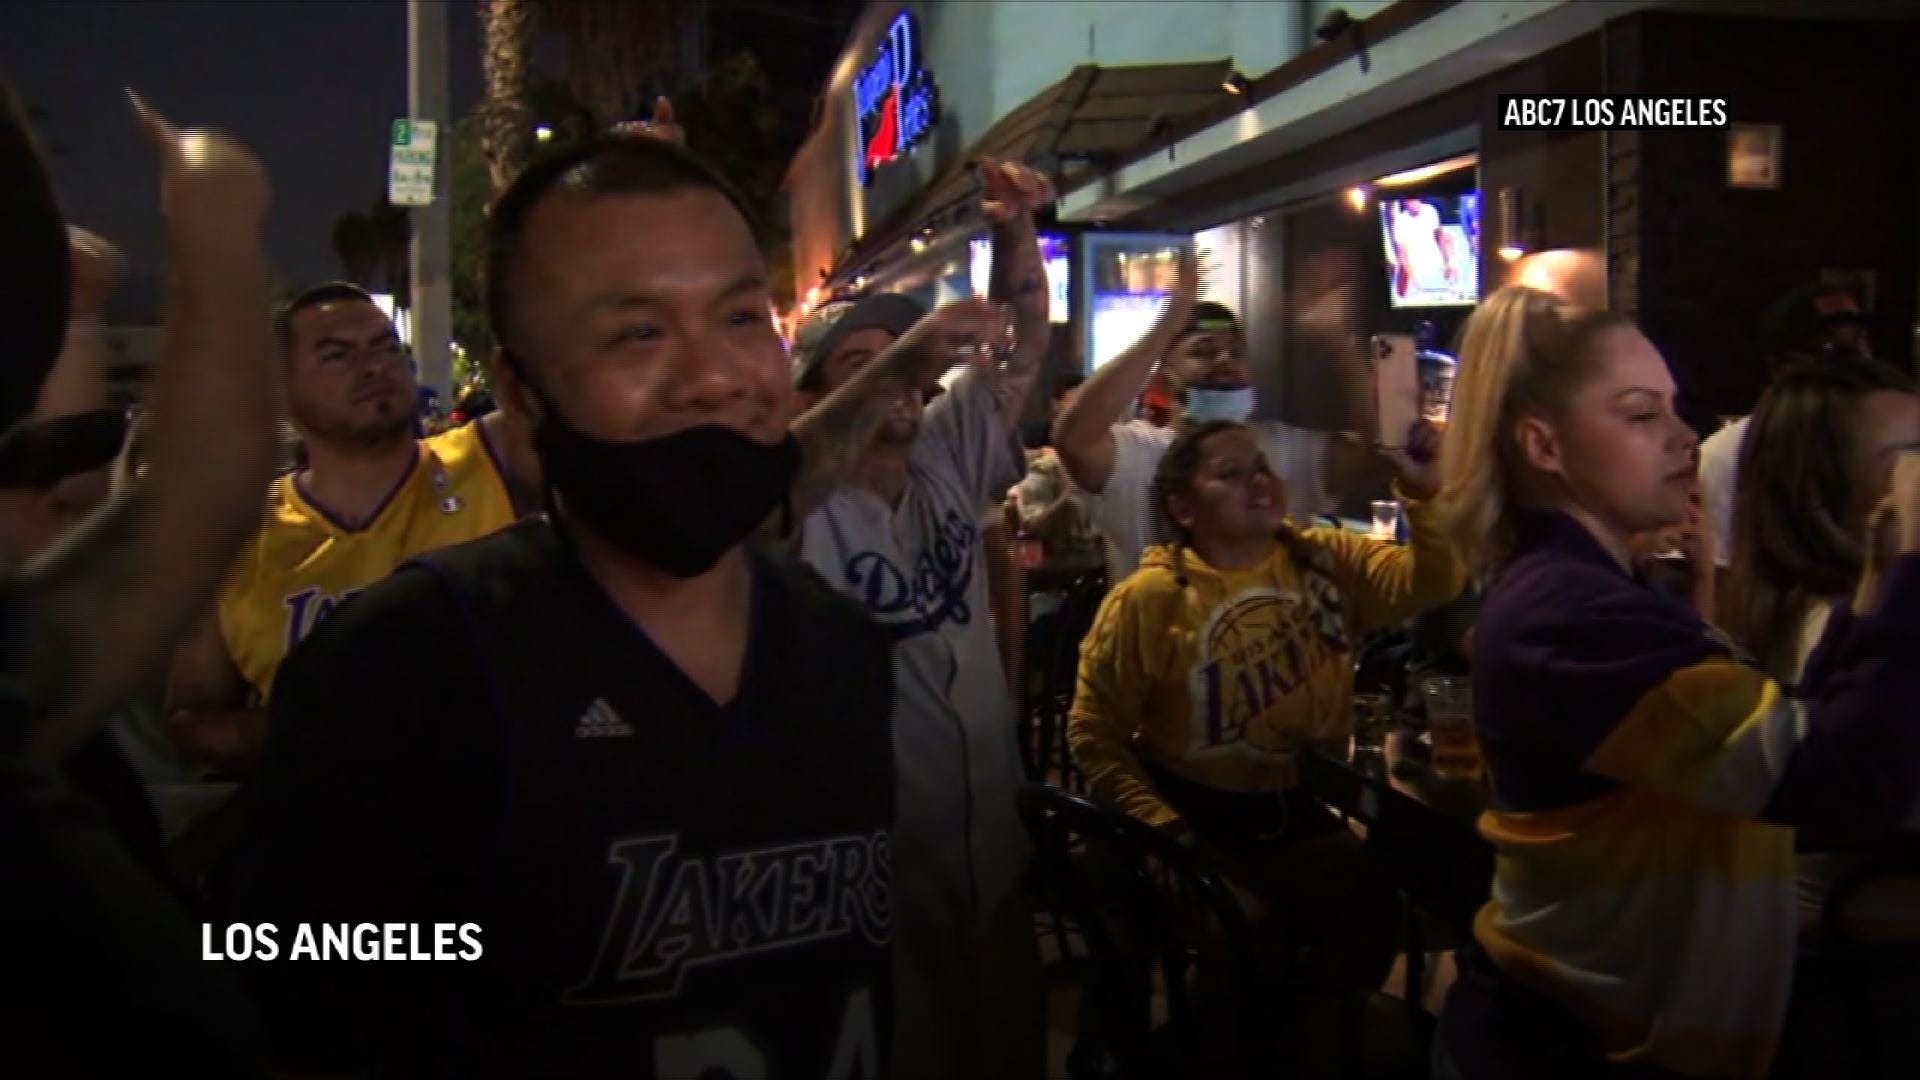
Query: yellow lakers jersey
{"x": 303, "y": 562}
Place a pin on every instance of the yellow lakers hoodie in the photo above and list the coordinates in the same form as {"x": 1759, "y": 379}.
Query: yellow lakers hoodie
{"x": 1220, "y": 677}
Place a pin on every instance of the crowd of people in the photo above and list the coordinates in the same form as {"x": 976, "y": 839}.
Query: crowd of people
{"x": 685, "y": 667}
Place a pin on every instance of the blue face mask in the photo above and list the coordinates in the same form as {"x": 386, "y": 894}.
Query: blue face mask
{"x": 1205, "y": 403}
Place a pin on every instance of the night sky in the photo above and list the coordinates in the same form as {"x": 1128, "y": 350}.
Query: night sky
{"x": 311, "y": 87}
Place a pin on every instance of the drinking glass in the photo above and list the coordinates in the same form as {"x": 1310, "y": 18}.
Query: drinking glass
{"x": 1386, "y": 519}
{"x": 1372, "y": 719}
{"x": 1456, "y": 748}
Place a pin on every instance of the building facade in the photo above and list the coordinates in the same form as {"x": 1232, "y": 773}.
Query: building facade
{"x": 1344, "y": 170}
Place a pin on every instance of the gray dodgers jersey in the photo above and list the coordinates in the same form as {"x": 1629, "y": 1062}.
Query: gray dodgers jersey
{"x": 919, "y": 568}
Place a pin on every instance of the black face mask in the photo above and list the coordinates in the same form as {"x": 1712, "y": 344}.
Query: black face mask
{"x": 679, "y": 501}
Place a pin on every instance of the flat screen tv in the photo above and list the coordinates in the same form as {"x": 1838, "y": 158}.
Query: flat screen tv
{"x": 1433, "y": 249}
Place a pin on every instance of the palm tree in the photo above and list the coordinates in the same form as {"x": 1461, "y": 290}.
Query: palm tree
{"x": 615, "y": 48}
{"x": 392, "y": 230}
{"x": 358, "y": 249}
{"x": 507, "y": 60}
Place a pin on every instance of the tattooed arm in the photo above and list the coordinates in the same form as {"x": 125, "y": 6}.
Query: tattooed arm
{"x": 835, "y": 432}
{"x": 1019, "y": 277}
{"x": 107, "y": 604}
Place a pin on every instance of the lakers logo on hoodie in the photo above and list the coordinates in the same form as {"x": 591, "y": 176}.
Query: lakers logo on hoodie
{"x": 1219, "y": 676}
{"x": 1253, "y": 652}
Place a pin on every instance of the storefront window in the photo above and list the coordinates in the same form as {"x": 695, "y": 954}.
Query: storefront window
{"x": 1053, "y": 248}
{"x": 1129, "y": 277}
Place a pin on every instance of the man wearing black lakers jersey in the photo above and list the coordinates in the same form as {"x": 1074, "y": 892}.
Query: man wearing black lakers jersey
{"x": 652, "y": 766}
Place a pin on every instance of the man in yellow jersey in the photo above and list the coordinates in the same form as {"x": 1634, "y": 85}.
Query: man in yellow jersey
{"x": 369, "y": 497}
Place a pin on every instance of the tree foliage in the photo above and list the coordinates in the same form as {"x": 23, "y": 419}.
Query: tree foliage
{"x": 617, "y": 55}
{"x": 617, "y": 51}
{"x": 508, "y": 28}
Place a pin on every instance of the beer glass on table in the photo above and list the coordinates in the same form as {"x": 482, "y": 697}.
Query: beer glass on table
{"x": 1456, "y": 747}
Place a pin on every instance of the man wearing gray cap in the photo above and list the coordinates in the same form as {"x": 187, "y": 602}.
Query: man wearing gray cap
{"x": 903, "y": 538}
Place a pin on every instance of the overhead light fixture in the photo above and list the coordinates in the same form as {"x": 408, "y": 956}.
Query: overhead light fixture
{"x": 1357, "y": 198}
{"x": 1425, "y": 173}
{"x": 1235, "y": 83}
{"x": 543, "y": 133}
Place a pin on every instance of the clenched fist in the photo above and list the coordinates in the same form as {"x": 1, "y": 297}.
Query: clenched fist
{"x": 1010, "y": 189}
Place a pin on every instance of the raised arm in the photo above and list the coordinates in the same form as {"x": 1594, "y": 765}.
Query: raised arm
{"x": 1012, "y": 193}
{"x": 1083, "y": 433}
{"x": 1389, "y": 582}
{"x": 110, "y": 601}
{"x": 77, "y": 381}
{"x": 833, "y": 433}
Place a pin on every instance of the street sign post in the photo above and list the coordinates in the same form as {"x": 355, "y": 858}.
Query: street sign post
{"x": 410, "y": 170}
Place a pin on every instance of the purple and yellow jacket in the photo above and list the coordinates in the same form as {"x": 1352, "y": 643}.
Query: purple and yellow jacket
{"x": 1646, "y": 779}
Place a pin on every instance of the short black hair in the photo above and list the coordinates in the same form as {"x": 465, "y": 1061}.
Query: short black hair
{"x": 319, "y": 294}
{"x": 607, "y": 165}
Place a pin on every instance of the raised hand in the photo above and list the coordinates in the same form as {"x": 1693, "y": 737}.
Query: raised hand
{"x": 1903, "y": 502}
{"x": 1893, "y": 529}
{"x": 972, "y": 331}
{"x": 206, "y": 179}
{"x": 1418, "y": 464}
{"x": 97, "y": 266}
{"x": 1009, "y": 189}
{"x": 664, "y": 125}
{"x": 1178, "y": 314}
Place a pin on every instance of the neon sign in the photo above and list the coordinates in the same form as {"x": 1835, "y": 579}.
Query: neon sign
{"x": 895, "y": 103}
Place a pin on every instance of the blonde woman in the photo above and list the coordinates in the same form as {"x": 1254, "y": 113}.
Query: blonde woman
{"x": 1643, "y": 915}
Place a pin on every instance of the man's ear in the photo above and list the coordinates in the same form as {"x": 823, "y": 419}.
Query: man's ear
{"x": 510, "y": 392}
{"x": 1539, "y": 444}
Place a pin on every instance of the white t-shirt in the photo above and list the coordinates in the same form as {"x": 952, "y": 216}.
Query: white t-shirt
{"x": 920, "y": 570}
{"x": 1124, "y": 511}
{"x": 1719, "y": 479}
{"x": 1417, "y": 234}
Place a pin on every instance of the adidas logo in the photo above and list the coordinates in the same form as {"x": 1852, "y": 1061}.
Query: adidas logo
{"x": 601, "y": 722}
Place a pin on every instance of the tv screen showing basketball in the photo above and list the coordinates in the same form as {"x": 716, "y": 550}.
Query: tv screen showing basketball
{"x": 1433, "y": 250}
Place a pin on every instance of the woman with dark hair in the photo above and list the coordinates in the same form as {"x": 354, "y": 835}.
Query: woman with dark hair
{"x": 1212, "y": 668}
{"x": 1818, "y": 457}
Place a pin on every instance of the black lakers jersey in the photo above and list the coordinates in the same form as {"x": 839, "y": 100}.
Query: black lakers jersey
{"x": 665, "y": 887}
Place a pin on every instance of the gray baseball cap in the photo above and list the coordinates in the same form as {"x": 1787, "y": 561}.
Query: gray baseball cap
{"x": 827, "y": 327}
